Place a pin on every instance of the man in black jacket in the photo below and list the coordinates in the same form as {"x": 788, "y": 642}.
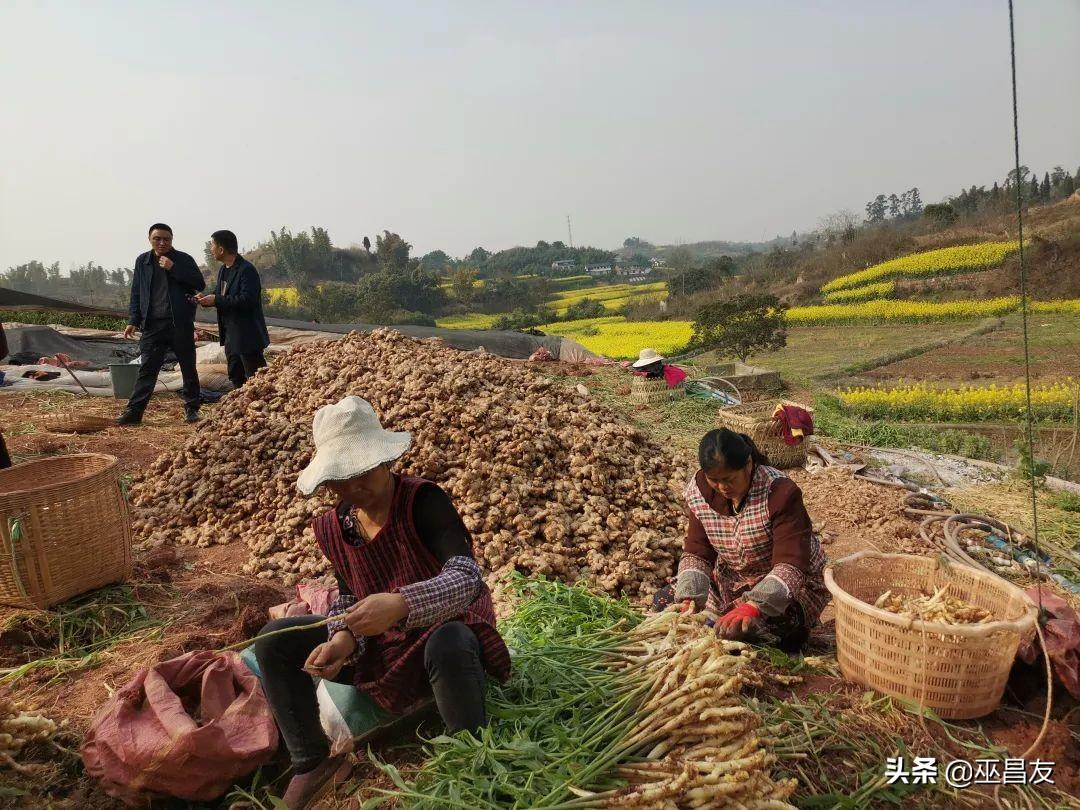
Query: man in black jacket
{"x": 238, "y": 299}
{"x": 5, "y": 459}
{"x": 162, "y": 307}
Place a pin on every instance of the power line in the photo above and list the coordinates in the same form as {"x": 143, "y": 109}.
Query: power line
{"x": 1029, "y": 419}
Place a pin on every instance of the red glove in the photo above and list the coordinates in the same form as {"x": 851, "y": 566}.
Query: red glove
{"x": 736, "y": 622}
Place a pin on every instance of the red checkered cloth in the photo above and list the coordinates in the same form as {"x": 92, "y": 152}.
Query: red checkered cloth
{"x": 391, "y": 667}
{"x": 340, "y": 606}
{"x": 744, "y": 550}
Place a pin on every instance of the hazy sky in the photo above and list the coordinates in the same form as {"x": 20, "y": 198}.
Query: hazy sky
{"x": 465, "y": 123}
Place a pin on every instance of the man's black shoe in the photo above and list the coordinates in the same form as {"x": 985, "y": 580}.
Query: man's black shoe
{"x": 191, "y": 415}
{"x": 129, "y": 418}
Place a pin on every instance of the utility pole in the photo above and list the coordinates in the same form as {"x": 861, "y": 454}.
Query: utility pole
{"x": 569, "y": 232}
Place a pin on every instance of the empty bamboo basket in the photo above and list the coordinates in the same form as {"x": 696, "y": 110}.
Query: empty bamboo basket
{"x": 76, "y": 423}
{"x": 755, "y": 419}
{"x": 64, "y": 529}
{"x": 650, "y": 392}
{"x": 959, "y": 671}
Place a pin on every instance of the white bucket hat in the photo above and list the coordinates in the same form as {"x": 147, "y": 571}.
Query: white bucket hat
{"x": 646, "y": 357}
{"x": 349, "y": 441}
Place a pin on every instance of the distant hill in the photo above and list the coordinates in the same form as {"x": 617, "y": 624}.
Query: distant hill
{"x": 633, "y": 247}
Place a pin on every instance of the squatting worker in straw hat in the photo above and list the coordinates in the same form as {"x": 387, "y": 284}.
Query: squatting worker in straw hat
{"x": 750, "y": 554}
{"x": 413, "y": 617}
{"x": 652, "y": 365}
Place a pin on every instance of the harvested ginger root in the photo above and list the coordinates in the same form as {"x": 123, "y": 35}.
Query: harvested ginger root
{"x": 935, "y": 607}
{"x": 17, "y": 728}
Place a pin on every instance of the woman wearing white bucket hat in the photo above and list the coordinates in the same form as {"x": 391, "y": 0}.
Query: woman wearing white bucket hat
{"x": 414, "y": 617}
{"x": 650, "y": 364}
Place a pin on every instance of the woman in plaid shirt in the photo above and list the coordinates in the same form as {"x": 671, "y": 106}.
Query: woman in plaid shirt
{"x": 413, "y": 620}
{"x": 750, "y": 556}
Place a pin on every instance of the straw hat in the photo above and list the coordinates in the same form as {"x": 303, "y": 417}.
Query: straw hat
{"x": 349, "y": 441}
{"x": 646, "y": 357}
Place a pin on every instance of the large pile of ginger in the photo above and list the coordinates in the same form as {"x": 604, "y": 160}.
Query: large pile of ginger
{"x": 547, "y": 480}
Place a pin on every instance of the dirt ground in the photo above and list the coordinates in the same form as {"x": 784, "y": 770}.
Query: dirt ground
{"x": 998, "y": 356}
{"x": 204, "y": 603}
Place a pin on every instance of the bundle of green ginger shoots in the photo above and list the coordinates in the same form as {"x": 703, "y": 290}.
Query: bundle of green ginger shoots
{"x": 605, "y": 708}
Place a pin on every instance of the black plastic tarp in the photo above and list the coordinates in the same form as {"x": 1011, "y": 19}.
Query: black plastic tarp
{"x": 14, "y": 299}
{"x": 39, "y": 341}
{"x": 515, "y": 345}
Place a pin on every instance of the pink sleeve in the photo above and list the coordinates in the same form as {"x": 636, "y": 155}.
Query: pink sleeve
{"x": 673, "y": 375}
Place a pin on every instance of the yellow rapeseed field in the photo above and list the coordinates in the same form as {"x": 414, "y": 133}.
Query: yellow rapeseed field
{"x": 883, "y": 289}
{"x": 289, "y": 296}
{"x": 929, "y": 263}
{"x": 470, "y": 320}
{"x": 967, "y": 404}
{"x": 612, "y": 296}
{"x": 619, "y": 339}
{"x": 900, "y": 311}
{"x": 1067, "y": 305}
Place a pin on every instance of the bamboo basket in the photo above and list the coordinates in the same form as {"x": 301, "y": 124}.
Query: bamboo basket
{"x": 959, "y": 671}
{"x": 76, "y": 423}
{"x": 755, "y": 419}
{"x": 651, "y": 392}
{"x": 64, "y": 529}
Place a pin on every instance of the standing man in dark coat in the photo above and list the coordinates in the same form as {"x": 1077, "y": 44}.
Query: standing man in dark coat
{"x": 5, "y": 459}
{"x": 163, "y": 308}
{"x": 238, "y": 299}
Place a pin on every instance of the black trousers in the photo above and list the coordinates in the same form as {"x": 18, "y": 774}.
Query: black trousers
{"x": 242, "y": 366}
{"x": 157, "y": 338}
{"x": 451, "y": 657}
{"x": 5, "y": 459}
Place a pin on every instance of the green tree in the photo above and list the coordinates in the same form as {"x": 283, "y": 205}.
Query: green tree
{"x": 875, "y": 209}
{"x": 1068, "y": 186}
{"x": 1013, "y": 178}
{"x": 392, "y": 252}
{"x": 437, "y": 261}
{"x": 462, "y": 285}
{"x": 894, "y": 206}
{"x": 306, "y": 257}
{"x": 331, "y": 302}
{"x": 740, "y": 326}
{"x": 941, "y": 215}
{"x": 585, "y": 308}
{"x": 1044, "y": 188}
{"x": 915, "y": 202}
{"x": 294, "y": 256}
{"x": 31, "y": 277}
{"x": 478, "y": 256}
{"x": 1033, "y": 195}
{"x": 382, "y": 295}
{"x": 209, "y": 262}
{"x": 521, "y": 319}
{"x": 90, "y": 281}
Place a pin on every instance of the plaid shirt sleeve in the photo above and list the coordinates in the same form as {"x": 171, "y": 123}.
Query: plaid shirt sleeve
{"x": 445, "y": 595}
{"x": 342, "y": 604}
